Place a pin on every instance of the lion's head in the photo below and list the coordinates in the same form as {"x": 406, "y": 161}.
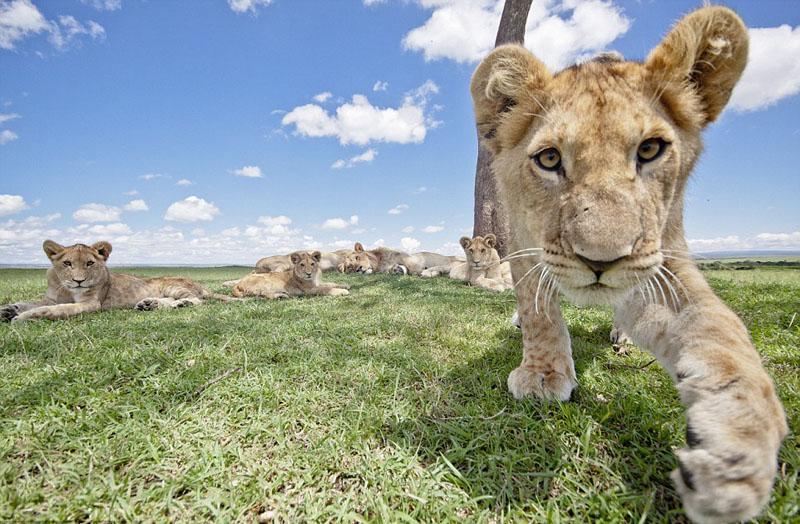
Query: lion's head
{"x": 481, "y": 252}
{"x": 592, "y": 161}
{"x": 306, "y": 265}
{"x": 359, "y": 261}
{"x": 80, "y": 266}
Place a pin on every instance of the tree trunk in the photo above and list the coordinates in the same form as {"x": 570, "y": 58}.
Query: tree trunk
{"x": 490, "y": 215}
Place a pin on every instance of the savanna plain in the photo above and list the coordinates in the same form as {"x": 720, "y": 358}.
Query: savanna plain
{"x": 388, "y": 405}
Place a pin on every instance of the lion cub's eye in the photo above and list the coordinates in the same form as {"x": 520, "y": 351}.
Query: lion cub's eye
{"x": 90, "y": 263}
{"x": 68, "y": 263}
{"x": 548, "y": 159}
{"x": 651, "y": 149}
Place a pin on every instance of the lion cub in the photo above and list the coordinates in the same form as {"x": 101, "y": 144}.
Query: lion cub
{"x": 79, "y": 282}
{"x": 482, "y": 268}
{"x": 302, "y": 279}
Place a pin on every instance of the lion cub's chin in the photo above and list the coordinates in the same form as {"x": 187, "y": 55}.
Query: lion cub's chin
{"x": 595, "y": 295}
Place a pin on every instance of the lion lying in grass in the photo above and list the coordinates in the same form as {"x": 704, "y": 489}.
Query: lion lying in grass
{"x": 302, "y": 279}
{"x": 482, "y": 267}
{"x": 592, "y": 163}
{"x": 329, "y": 261}
{"x": 387, "y": 260}
{"x": 79, "y": 282}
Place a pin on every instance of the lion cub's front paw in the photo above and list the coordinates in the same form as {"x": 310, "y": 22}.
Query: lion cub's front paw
{"x": 338, "y": 292}
{"x": 527, "y": 381}
{"x": 147, "y": 304}
{"x": 429, "y": 273}
{"x": 719, "y": 488}
{"x": 9, "y": 312}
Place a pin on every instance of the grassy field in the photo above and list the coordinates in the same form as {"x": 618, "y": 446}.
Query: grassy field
{"x": 388, "y": 405}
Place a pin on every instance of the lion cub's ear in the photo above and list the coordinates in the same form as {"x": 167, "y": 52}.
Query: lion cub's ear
{"x": 103, "y": 248}
{"x": 316, "y": 255}
{"x": 294, "y": 257}
{"x": 358, "y": 248}
{"x": 706, "y": 51}
{"x": 465, "y": 241}
{"x": 509, "y": 74}
{"x": 52, "y": 249}
{"x": 490, "y": 240}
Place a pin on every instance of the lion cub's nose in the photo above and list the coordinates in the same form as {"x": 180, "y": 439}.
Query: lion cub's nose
{"x": 598, "y": 266}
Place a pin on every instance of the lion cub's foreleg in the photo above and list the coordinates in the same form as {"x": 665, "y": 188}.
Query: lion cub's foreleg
{"x": 734, "y": 420}
{"x": 546, "y": 370}
{"x": 330, "y": 289}
{"x": 57, "y": 311}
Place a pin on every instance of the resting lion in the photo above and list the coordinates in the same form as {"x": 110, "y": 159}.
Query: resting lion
{"x": 387, "y": 260}
{"x": 592, "y": 164}
{"x": 301, "y": 279}
{"x": 79, "y": 282}
{"x": 482, "y": 267}
{"x": 273, "y": 264}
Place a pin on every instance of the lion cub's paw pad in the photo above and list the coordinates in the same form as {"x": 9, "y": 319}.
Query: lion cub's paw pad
{"x": 147, "y": 304}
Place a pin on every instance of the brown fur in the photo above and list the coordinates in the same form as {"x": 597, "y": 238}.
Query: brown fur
{"x": 302, "y": 279}
{"x": 482, "y": 267}
{"x": 610, "y": 227}
{"x": 387, "y": 260}
{"x": 79, "y": 282}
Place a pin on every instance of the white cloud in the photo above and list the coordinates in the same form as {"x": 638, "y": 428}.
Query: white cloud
{"x": 408, "y": 229}
{"x": 5, "y": 117}
{"x": 7, "y": 136}
{"x": 558, "y": 32}
{"x": 367, "y": 156}
{"x": 420, "y": 190}
{"x": 378, "y": 243}
{"x": 398, "y": 209}
{"x": 109, "y": 230}
{"x": 242, "y": 6}
{"x": 19, "y": 19}
{"x": 359, "y": 122}
{"x": 152, "y": 176}
{"x": 778, "y": 241}
{"x": 380, "y": 86}
{"x": 10, "y": 204}
{"x": 104, "y": 5}
{"x": 432, "y": 229}
{"x": 773, "y": 70}
{"x": 409, "y": 243}
{"x": 280, "y": 220}
{"x": 323, "y": 97}
{"x": 136, "y": 205}
{"x": 72, "y": 29}
{"x": 358, "y": 231}
{"x": 96, "y": 213}
{"x": 191, "y": 209}
{"x": 183, "y": 182}
{"x": 369, "y": 3}
{"x": 248, "y": 171}
{"x": 132, "y": 192}
{"x": 339, "y": 223}
{"x": 452, "y": 249}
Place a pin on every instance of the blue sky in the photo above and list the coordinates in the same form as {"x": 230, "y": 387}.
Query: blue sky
{"x": 217, "y": 131}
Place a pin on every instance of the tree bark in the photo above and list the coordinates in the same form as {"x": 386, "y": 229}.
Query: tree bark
{"x": 490, "y": 214}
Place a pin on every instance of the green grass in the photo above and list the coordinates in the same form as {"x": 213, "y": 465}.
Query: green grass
{"x": 387, "y": 405}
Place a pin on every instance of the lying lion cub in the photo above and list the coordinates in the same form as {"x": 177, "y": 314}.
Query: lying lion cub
{"x": 79, "y": 282}
{"x": 482, "y": 268}
{"x": 301, "y": 279}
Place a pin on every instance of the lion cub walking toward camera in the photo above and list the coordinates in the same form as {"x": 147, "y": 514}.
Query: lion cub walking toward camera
{"x": 482, "y": 268}
{"x": 302, "y": 279}
{"x": 79, "y": 282}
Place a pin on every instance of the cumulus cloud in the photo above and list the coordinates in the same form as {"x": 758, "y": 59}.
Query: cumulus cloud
{"x": 243, "y": 6}
{"x": 409, "y": 243}
{"x": 191, "y": 209}
{"x": 452, "y": 249}
{"x": 762, "y": 241}
{"x": 323, "y": 97}
{"x": 558, "y": 32}
{"x": 106, "y": 230}
{"x": 367, "y": 156}
{"x": 96, "y": 213}
{"x": 339, "y": 223}
{"x": 6, "y": 136}
{"x": 432, "y": 229}
{"x": 10, "y": 204}
{"x": 359, "y": 122}
{"x": 248, "y": 171}
{"x": 19, "y": 19}
{"x": 380, "y": 86}
{"x": 69, "y": 28}
{"x": 280, "y": 220}
{"x": 772, "y": 72}
{"x": 183, "y": 182}
{"x": 136, "y": 205}
{"x": 398, "y": 209}
{"x": 104, "y": 5}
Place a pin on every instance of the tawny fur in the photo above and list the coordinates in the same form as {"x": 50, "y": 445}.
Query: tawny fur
{"x": 624, "y": 217}
{"x": 79, "y": 282}
{"x": 302, "y": 279}
{"x": 330, "y": 261}
{"x": 482, "y": 267}
{"x": 387, "y": 260}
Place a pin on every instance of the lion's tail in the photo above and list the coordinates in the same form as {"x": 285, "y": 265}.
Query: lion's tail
{"x": 218, "y": 296}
